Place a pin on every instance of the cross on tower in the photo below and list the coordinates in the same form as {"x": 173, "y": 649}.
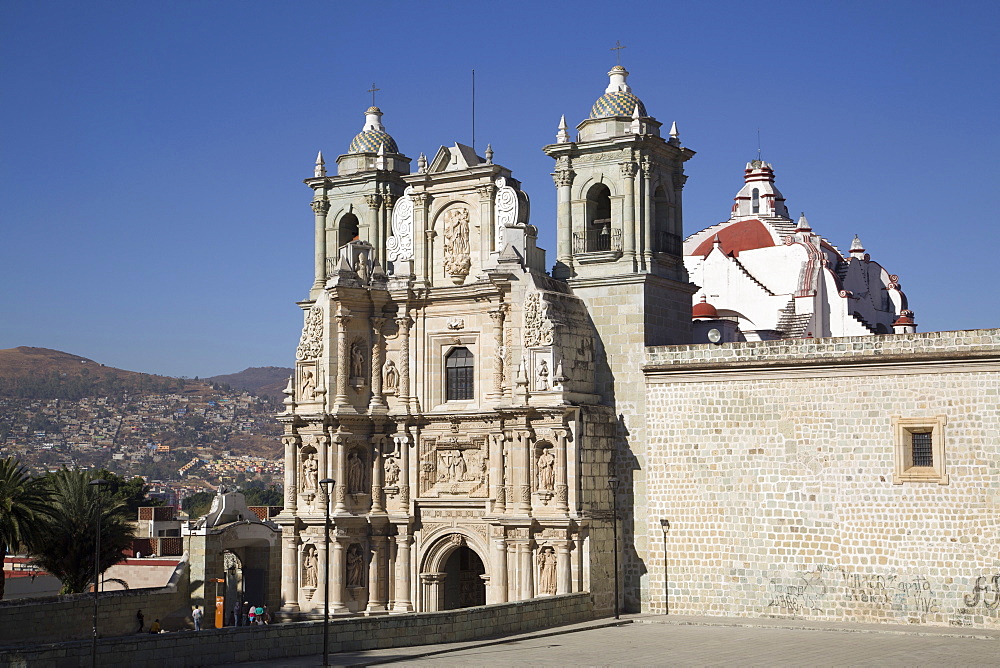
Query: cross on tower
{"x": 373, "y": 90}
{"x": 617, "y": 48}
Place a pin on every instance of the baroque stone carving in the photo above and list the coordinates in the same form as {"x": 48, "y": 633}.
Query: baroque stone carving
{"x": 506, "y": 210}
{"x": 537, "y": 327}
{"x": 399, "y": 246}
{"x": 307, "y": 389}
{"x": 355, "y": 473}
{"x": 457, "y": 261}
{"x": 311, "y": 341}
{"x": 355, "y": 566}
{"x": 546, "y": 477}
{"x": 542, "y": 376}
{"x": 391, "y": 472}
{"x": 547, "y": 571}
{"x": 310, "y": 473}
{"x": 358, "y": 361}
{"x": 309, "y": 561}
{"x": 390, "y": 377}
{"x": 321, "y": 206}
{"x": 456, "y": 323}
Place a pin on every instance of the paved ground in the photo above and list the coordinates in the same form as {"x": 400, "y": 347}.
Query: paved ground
{"x": 697, "y": 641}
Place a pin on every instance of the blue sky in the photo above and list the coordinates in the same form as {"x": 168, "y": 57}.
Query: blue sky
{"x": 151, "y": 202}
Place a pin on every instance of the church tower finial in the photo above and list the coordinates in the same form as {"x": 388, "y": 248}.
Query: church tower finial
{"x": 857, "y": 248}
{"x": 803, "y": 224}
{"x": 562, "y": 137}
{"x": 320, "y": 169}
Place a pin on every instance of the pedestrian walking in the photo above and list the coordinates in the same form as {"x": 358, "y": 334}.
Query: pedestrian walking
{"x": 252, "y": 615}
{"x": 237, "y": 614}
{"x": 247, "y": 620}
{"x": 140, "y": 620}
{"x": 196, "y": 616}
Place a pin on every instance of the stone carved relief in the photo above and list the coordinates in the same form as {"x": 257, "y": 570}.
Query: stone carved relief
{"x": 545, "y": 467}
{"x": 456, "y": 323}
{"x": 452, "y": 466}
{"x": 358, "y": 355}
{"x": 506, "y": 210}
{"x": 399, "y": 246}
{"x": 457, "y": 260}
{"x": 307, "y": 388}
{"x": 311, "y": 341}
{"x": 537, "y": 326}
{"x": 391, "y": 472}
{"x": 355, "y": 473}
{"x": 310, "y": 473}
{"x": 355, "y": 566}
{"x": 542, "y": 376}
{"x": 390, "y": 377}
{"x": 547, "y": 561}
{"x": 309, "y": 566}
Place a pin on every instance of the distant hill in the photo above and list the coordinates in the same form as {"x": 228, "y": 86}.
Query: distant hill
{"x": 41, "y": 373}
{"x": 260, "y": 380}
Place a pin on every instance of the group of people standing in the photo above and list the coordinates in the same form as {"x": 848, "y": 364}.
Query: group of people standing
{"x": 248, "y": 615}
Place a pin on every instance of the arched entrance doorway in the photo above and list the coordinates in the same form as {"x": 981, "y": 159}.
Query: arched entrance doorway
{"x": 453, "y": 574}
{"x": 463, "y": 583}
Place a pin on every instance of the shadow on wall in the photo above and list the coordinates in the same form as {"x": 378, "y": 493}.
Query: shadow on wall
{"x": 633, "y": 568}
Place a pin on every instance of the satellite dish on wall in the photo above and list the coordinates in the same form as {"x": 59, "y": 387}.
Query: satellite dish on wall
{"x": 714, "y": 335}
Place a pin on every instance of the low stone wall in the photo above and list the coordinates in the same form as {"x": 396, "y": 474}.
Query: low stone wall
{"x": 228, "y": 645}
{"x": 44, "y": 620}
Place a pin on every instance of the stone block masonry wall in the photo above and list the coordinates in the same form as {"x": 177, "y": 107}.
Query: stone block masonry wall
{"x": 60, "y": 618}
{"x": 774, "y": 464}
{"x": 600, "y": 429}
{"x": 218, "y": 647}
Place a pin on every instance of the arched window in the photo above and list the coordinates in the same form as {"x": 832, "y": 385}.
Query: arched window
{"x": 756, "y": 200}
{"x": 347, "y": 230}
{"x": 599, "y": 220}
{"x": 458, "y": 375}
{"x": 666, "y": 239}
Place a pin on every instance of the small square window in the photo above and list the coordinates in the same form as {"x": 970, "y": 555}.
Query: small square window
{"x": 919, "y": 445}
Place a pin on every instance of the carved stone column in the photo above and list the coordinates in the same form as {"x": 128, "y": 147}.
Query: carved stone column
{"x": 378, "y": 473}
{"x": 498, "y": 316}
{"x": 648, "y": 218}
{"x": 376, "y": 601}
{"x": 497, "y": 474}
{"x": 403, "y": 589}
{"x": 337, "y": 578}
{"x": 290, "y": 572}
{"x": 564, "y": 571}
{"x": 340, "y": 400}
{"x": 523, "y": 444}
{"x": 374, "y": 201}
{"x": 564, "y": 223}
{"x": 487, "y": 220}
{"x": 527, "y": 583}
{"x": 499, "y": 579}
{"x": 377, "y": 403}
{"x": 291, "y": 466}
{"x": 320, "y": 207}
{"x": 404, "y": 323}
{"x": 317, "y": 598}
{"x": 562, "y": 464}
{"x": 628, "y": 170}
{"x": 322, "y": 443}
{"x": 422, "y": 251}
{"x": 403, "y": 444}
{"x": 340, "y": 488}
{"x": 432, "y": 584}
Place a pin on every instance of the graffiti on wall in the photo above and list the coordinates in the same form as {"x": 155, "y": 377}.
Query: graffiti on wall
{"x": 985, "y": 593}
{"x": 808, "y": 591}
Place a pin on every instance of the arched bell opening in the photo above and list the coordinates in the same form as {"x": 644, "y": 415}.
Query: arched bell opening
{"x": 347, "y": 230}
{"x": 598, "y": 218}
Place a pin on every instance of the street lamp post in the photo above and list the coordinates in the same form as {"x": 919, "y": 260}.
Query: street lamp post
{"x": 613, "y": 484}
{"x": 665, "y": 525}
{"x": 327, "y": 483}
{"x": 99, "y": 483}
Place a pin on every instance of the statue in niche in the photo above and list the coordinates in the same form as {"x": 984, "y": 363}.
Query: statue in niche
{"x": 456, "y": 242}
{"x": 355, "y": 474}
{"x": 357, "y": 360}
{"x": 391, "y": 472}
{"x": 546, "y": 470}
{"x": 310, "y": 473}
{"x": 547, "y": 571}
{"x": 308, "y": 390}
{"x": 390, "y": 376}
{"x": 309, "y": 567}
{"x": 361, "y": 267}
{"x": 542, "y": 376}
{"x": 355, "y": 566}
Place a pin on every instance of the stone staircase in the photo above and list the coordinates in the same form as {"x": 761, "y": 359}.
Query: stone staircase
{"x": 790, "y": 324}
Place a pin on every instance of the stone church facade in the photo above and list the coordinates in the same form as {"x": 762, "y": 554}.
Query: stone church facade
{"x": 471, "y": 408}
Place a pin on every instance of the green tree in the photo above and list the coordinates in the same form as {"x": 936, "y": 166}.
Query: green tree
{"x": 197, "y": 504}
{"x": 66, "y": 544}
{"x": 22, "y": 507}
{"x": 133, "y": 491}
{"x": 258, "y": 495}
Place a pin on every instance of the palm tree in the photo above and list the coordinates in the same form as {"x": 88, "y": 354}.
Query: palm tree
{"x": 22, "y": 507}
{"x": 66, "y": 546}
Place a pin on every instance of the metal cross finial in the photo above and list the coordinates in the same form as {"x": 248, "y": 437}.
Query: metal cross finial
{"x": 617, "y": 48}
{"x": 373, "y": 90}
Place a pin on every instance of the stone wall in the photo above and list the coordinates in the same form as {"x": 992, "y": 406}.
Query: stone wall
{"x": 58, "y": 618}
{"x": 216, "y": 647}
{"x": 774, "y": 463}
